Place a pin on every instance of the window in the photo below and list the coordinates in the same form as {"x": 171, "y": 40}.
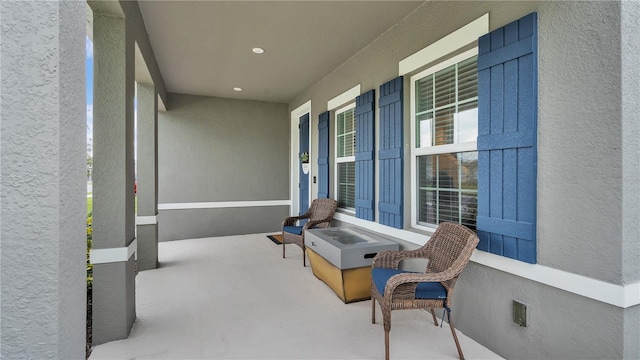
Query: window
{"x": 444, "y": 109}
{"x": 345, "y": 157}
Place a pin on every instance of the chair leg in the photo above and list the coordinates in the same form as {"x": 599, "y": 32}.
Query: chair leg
{"x": 386, "y": 344}
{"x": 304, "y": 257}
{"x": 386, "y": 319}
{"x": 373, "y": 310}
{"x": 283, "y": 247}
{"x": 435, "y": 319}
{"x": 455, "y": 337}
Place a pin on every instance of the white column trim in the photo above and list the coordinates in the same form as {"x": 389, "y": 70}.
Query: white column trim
{"x": 112, "y": 255}
{"x": 623, "y": 296}
{"x": 631, "y": 295}
{"x": 147, "y": 220}
{"x": 222, "y": 204}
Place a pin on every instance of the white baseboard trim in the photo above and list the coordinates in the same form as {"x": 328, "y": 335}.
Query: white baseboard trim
{"x": 112, "y": 255}
{"x": 618, "y": 295}
{"x": 222, "y": 204}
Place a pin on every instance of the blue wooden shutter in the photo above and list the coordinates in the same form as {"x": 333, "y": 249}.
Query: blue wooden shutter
{"x": 323, "y": 155}
{"x": 365, "y": 146}
{"x": 391, "y": 153}
{"x": 507, "y": 150}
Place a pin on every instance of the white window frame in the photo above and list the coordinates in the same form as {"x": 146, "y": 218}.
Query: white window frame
{"x": 294, "y": 159}
{"x": 447, "y": 45}
{"x": 431, "y": 150}
{"x": 344, "y": 159}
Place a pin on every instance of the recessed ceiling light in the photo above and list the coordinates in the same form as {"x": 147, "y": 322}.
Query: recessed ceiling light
{"x": 258, "y": 50}
{"x": 237, "y": 89}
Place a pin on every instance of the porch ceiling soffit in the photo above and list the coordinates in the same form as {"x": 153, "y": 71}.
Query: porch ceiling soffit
{"x": 204, "y": 47}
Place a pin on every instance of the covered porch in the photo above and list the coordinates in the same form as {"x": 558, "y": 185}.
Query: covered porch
{"x": 235, "y": 297}
{"x": 219, "y": 162}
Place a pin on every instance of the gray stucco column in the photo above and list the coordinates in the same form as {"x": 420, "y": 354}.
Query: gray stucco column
{"x": 114, "y": 244}
{"x": 43, "y": 182}
{"x": 147, "y": 220}
{"x": 630, "y": 58}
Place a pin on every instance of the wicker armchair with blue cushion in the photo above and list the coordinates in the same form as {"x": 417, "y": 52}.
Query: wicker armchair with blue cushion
{"x": 319, "y": 215}
{"x": 448, "y": 252}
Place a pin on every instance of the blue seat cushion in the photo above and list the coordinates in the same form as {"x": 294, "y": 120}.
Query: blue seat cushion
{"x": 297, "y": 230}
{"x": 424, "y": 290}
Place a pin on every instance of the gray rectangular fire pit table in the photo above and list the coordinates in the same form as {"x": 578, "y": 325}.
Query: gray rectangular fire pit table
{"x": 342, "y": 257}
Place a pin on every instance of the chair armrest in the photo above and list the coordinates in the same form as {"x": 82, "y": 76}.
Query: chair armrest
{"x": 391, "y": 259}
{"x": 312, "y": 224}
{"x": 291, "y": 220}
{"x": 400, "y": 279}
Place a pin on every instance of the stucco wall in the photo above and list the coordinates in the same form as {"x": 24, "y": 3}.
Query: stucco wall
{"x": 630, "y": 25}
{"x": 580, "y": 171}
{"x": 560, "y": 325}
{"x": 579, "y": 127}
{"x": 577, "y": 41}
{"x": 113, "y": 173}
{"x": 630, "y": 76}
{"x": 43, "y": 181}
{"x": 221, "y": 150}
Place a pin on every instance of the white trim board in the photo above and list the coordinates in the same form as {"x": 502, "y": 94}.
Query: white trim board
{"x": 294, "y": 177}
{"x": 222, "y": 204}
{"x": 112, "y": 255}
{"x": 345, "y": 97}
{"x": 448, "y": 44}
{"x": 618, "y": 295}
{"x": 302, "y": 109}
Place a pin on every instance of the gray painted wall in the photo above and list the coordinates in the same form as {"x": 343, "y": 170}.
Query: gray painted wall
{"x": 585, "y": 167}
{"x": 218, "y": 150}
{"x": 630, "y": 42}
{"x": 43, "y": 181}
{"x": 561, "y": 325}
{"x": 580, "y": 187}
{"x": 630, "y": 25}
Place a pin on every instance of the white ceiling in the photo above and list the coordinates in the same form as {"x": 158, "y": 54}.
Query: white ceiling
{"x": 204, "y": 47}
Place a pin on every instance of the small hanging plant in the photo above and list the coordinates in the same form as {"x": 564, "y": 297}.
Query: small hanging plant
{"x": 304, "y": 157}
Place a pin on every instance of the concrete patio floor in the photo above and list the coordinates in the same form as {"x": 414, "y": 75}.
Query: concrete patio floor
{"x": 235, "y": 297}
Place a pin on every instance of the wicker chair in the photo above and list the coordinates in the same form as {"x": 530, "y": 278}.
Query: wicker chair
{"x": 448, "y": 251}
{"x": 319, "y": 214}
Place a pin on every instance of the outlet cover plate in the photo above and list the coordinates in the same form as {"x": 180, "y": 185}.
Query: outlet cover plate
{"x": 520, "y": 313}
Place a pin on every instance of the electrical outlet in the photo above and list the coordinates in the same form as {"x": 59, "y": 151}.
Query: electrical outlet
{"x": 520, "y": 313}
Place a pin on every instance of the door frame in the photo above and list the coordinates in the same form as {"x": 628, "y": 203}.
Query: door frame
{"x": 294, "y": 160}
